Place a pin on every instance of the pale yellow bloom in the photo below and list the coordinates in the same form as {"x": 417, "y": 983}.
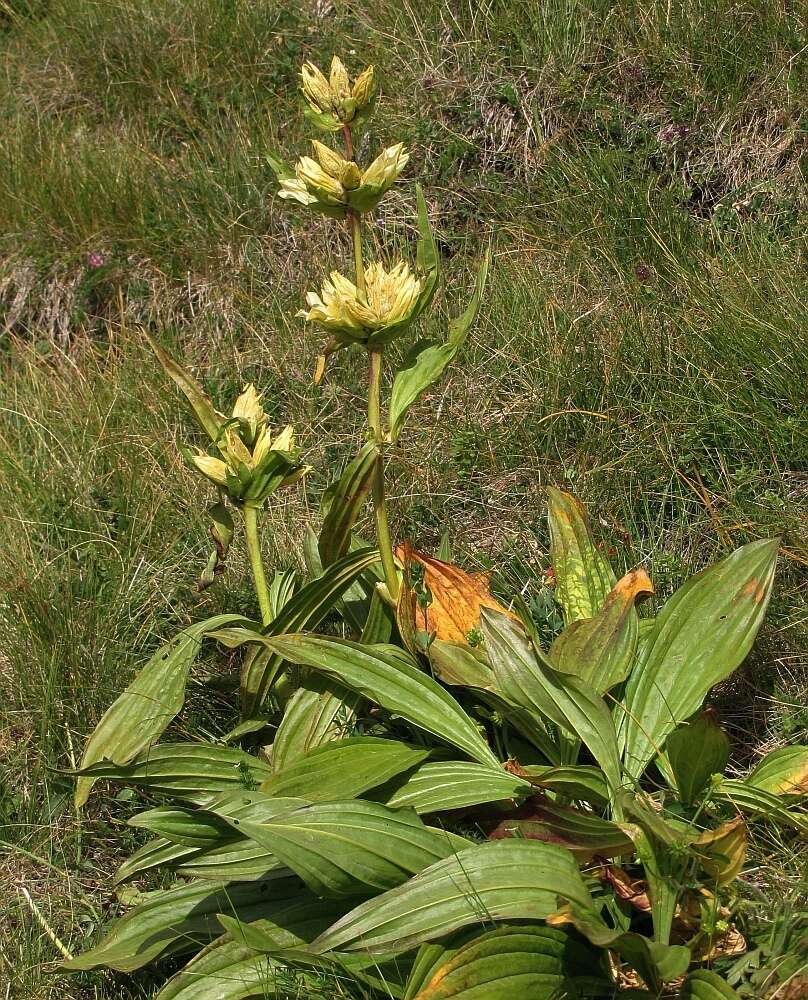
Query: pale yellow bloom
{"x": 213, "y": 468}
{"x": 387, "y": 166}
{"x": 364, "y": 87}
{"x": 334, "y": 101}
{"x": 248, "y": 408}
{"x": 338, "y": 79}
{"x": 316, "y": 88}
{"x": 335, "y": 184}
{"x": 392, "y": 297}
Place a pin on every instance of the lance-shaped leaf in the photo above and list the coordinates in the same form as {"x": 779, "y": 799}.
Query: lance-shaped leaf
{"x": 390, "y": 678}
{"x": 702, "y": 984}
{"x": 282, "y": 589}
{"x": 754, "y": 801}
{"x": 583, "y": 575}
{"x": 458, "y": 664}
{"x": 180, "y": 920}
{"x": 343, "y": 849}
{"x": 209, "y": 419}
{"x": 601, "y": 650}
{"x": 138, "y": 717}
{"x": 204, "y": 828}
{"x": 700, "y": 637}
{"x": 317, "y": 713}
{"x": 343, "y": 769}
{"x": 696, "y": 751}
{"x": 564, "y": 700}
{"x": 305, "y": 610}
{"x": 191, "y": 771}
{"x": 428, "y": 360}
{"x": 437, "y": 786}
{"x": 575, "y": 781}
{"x": 530, "y": 961}
{"x": 457, "y": 600}
{"x": 657, "y": 963}
{"x": 517, "y": 880}
{"x": 348, "y": 496}
{"x": 583, "y": 834}
{"x": 782, "y": 772}
{"x": 231, "y": 971}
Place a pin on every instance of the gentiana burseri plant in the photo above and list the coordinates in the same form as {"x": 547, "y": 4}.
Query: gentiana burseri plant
{"x": 451, "y": 806}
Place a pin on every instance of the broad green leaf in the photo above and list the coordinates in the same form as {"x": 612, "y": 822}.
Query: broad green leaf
{"x": 575, "y": 781}
{"x": 179, "y": 920}
{"x": 583, "y": 575}
{"x": 437, "y": 786}
{"x": 428, "y": 360}
{"x": 657, "y": 963}
{"x": 379, "y": 623}
{"x": 428, "y": 959}
{"x": 501, "y": 964}
{"x": 154, "y": 854}
{"x": 209, "y": 419}
{"x": 582, "y": 833}
{"x": 747, "y": 798}
{"x": 517, "y": 880}
{"x": 564, "y": 700}
{"x": 702, "y": 984}
{"x": 458, "y": 664}
{"x": 601, "y": 650}
{"x": 343, "y": 849}
{"x": 343, "y": 769}
{"x": 202, "y": 828}
{"x": 138, "y": 717}
{"x": 305, "y": 610}
{"x": 701, "y": 636}
{"x": 319, "y": 711}
{"x": 782, "y": 772}
{"x": 191, "y": 771}
{"x": 348, "y": 496}
{"x": 390, "y": 678}
{"x": 696, "y": 751}
{"x": 230, "y": 971}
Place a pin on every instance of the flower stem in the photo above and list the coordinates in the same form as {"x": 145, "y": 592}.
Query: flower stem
{"x": 379, "y": 500}
{"x": 374, "y": 401}
{"x": 256, "y": 563}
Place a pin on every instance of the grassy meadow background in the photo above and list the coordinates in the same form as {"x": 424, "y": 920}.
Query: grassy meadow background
{"x": 639, "y": 169}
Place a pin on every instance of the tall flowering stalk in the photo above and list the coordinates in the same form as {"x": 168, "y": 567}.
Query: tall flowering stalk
{"x": 380, "y": 304}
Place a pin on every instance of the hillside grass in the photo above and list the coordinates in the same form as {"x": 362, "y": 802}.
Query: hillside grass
{"x": 638, "y": 169}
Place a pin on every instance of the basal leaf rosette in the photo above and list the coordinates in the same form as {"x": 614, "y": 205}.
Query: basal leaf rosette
{"x": 334, "y": 101}
{"x": 332, "y": 185}
{"x": 393, "y": 300}
{"x": 253, "y": 462}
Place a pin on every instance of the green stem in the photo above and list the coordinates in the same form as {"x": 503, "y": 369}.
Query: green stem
{"x": 374, "y": 401}
{"x": 256, "y": 563}
{"x": 359, "y": 267}
{"x": 379, "y": 500}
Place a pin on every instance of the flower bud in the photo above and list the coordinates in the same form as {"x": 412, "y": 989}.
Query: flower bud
{"x": 364, "y": 88}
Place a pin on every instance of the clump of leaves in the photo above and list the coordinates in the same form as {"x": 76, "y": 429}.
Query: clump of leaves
{"x": 450, "y": 807}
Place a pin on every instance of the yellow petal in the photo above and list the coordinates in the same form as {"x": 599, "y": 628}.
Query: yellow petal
{"x": 364, "y": 87}
{"x": 340, "y": 86}
{"x": 248, "y": 407}
{"x": 213, "y": 468}
{"x": 285, "y": 441}
{"x": 316, "y": 88}
{"x": 330, "y": 161}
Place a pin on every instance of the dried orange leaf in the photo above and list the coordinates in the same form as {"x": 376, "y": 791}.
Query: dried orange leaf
{"x": 457, "y": 597}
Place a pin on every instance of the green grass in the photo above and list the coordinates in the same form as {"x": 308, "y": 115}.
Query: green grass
{"x": 642, "y": 341}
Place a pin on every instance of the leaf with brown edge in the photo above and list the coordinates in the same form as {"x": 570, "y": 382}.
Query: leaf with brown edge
{"x": 722, "y": 851}
{"x": 457, "y": 598}
{"x": 601, "y": 650}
